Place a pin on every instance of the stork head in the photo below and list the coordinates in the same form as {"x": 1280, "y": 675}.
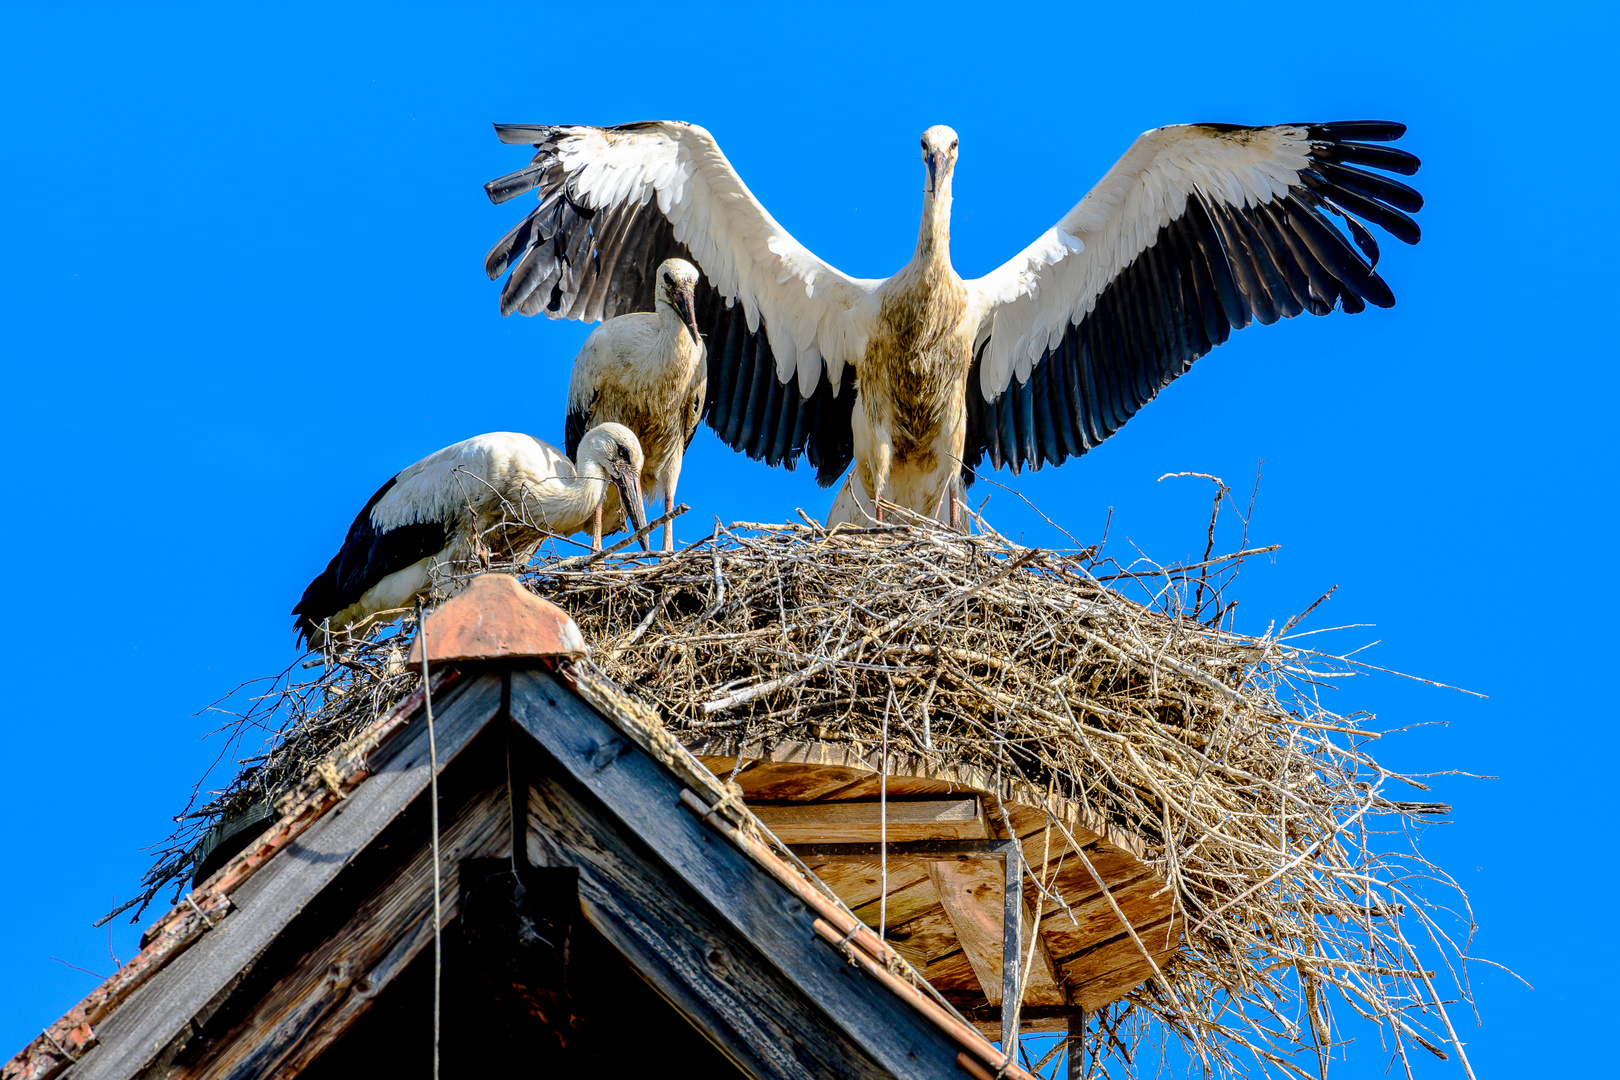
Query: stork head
{"x": 677, "y": 287}
{"x": 939, "y": 154}
{"x": 614, "y": 451}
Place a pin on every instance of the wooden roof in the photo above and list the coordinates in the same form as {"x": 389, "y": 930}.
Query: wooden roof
{"x": 275, "y": 962}
{"x": 571, "y": 814}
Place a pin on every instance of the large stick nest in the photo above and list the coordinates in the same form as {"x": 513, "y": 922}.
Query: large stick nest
{"x": 1289, "y": 854}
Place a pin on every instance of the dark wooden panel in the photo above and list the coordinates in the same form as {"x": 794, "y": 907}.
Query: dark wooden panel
{"x": 663, "y": 930}
{"x": 329, "y": 987}
{"x": 645, "y": 798}
{"x": 152, "y": 1017}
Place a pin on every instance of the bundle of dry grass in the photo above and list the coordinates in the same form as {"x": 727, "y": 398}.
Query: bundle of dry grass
{"x": 1285, "y": 846}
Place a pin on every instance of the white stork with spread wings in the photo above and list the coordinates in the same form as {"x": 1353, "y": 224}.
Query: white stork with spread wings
{"x": 1198, "y": 229}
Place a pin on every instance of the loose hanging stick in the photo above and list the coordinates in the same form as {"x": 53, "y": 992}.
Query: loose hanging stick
{"x": 433, "y": 813}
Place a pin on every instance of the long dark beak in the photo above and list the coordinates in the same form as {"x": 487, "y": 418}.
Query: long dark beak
{"x": 933, "y": 172}
{"x": 630, "y": 494}
{"x": 685, "y": 302}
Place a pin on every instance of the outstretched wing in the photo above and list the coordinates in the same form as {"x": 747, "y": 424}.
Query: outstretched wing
{"x": 783, "y": 328}
{"x": 1197, "y": 230}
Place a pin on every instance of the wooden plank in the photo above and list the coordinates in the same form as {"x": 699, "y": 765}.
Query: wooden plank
{"x": 1094, "y": 920}
{"x": 930, "y": 934}
{"x": 326, "y": 990}
{"x": 1109, "y": 969}
{"x": 153, "y": 1015}
{"x": 913, "y": 894}
{"x": 970, "y": 891}
{"x": 855, "y": 822}
{"x": 784, "y": 782}
{"x": 953, "y": 976}
{"x": 988, "y": 1024}
{"x": 639, "y": 798}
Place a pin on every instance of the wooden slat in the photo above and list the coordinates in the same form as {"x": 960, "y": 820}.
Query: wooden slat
{"x": 953, "y": 976}
{"x": 159, "y": 1010}
{"x": 1094, "y": 920}
{"x": 1112, "y": 966}
{"x": 634, "y": 801}
{"x": 331, "y": 986}
{"x": 857, "y": 822}
{"x": 931, "y": 933}
{"x": 970, "y": 892}
{"x": 785, "y": 782}
{"x": 911, "y": 897}
{"x": 990, "y": 1025}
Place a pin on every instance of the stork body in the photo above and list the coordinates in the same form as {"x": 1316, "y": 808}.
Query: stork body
{"x": 1197, "y": 230}
{"x": 645, "y": 371}
{"x": 500, "y": 493}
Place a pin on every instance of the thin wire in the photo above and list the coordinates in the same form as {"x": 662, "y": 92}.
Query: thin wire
{"x": 883, "y": 826}
{"x": 433, "y": 808}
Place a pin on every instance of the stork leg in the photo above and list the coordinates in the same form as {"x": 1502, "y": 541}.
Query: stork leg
{"x": 956, "y": 510}
{"x": 673, "y": 478}
{"x": 880, "y": 478}
{"x": 596, "y": 528}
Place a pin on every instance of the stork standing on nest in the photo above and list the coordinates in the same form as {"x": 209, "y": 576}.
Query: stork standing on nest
{"x": 1197, "y": 230}
{"x": 645, "y": 371}
{"x": 496, "y": 494}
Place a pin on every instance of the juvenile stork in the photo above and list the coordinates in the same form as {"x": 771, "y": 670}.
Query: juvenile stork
{"x": 645, "y": 371}
{"x": 496, "y": 494}
{"x": 1197, "y": 230}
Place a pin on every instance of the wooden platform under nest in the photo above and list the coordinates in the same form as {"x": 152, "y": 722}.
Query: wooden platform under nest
{"x": 945, "y": 912}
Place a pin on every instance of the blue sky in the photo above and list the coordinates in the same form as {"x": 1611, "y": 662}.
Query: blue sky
{"x": 241, "y": 285}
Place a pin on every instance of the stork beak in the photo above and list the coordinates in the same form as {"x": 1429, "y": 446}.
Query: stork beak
{"x": 630, "y": 494}
{"x": 685, "y": 303}
{"x": 933, "y": 172}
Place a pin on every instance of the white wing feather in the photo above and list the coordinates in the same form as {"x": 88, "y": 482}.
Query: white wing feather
{"x": 442, "y": 485}
{"x": 1032, "y": 299}
{"x": 814, "y": 314}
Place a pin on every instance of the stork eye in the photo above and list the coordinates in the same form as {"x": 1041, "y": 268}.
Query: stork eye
{"x": 953, "y": 144}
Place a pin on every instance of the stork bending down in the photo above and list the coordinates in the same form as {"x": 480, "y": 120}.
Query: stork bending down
{"x": 500, "y": 493}
{"x": 645, "y": 371}
{"x": 1197, "y": 230}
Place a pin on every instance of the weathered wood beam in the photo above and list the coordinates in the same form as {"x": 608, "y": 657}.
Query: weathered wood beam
{"x": 326, "y": 990}
{"x": 728, "y": 944}
{"x": 1032, "y": 1019}
{"x": 158, "y": 1012}
{"x": 951, "y": 818}
{"x": 972, "y": 894}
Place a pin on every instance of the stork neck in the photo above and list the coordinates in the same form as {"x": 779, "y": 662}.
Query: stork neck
{"x": 934, "y": 233}
{"x": 588, "y": 487}
{"x": 674, "y": 337}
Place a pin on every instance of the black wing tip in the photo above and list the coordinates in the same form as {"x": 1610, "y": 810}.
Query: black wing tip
{"x": 319, "y": 596}
{"x": 1359, "y": 130}
{"x": 524, "y": 134}
{"x": 501, "y": 189}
